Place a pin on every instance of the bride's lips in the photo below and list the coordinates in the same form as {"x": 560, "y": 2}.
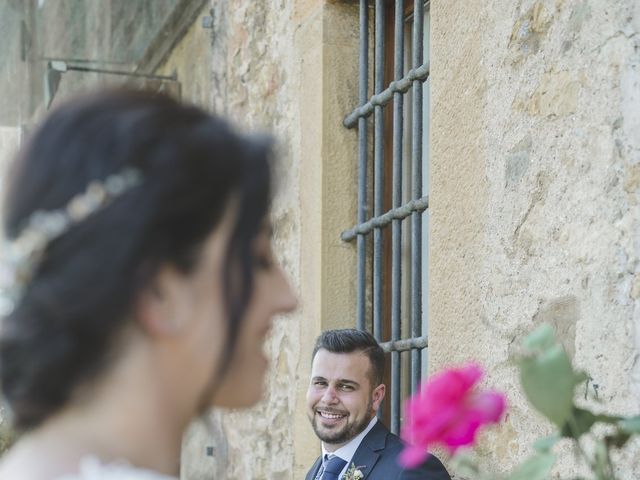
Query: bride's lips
{"x": 264, "y": 333}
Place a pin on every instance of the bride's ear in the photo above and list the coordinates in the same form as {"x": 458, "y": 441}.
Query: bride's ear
{"x": 158, "y": 306}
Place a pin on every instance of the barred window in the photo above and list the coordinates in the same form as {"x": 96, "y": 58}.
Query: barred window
{"x": 392, "y": 122}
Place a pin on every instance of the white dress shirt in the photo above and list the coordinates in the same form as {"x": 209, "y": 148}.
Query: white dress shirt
{"x": 347, "y": 451}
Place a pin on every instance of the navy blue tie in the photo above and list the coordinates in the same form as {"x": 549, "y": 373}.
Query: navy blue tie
{"x": 332, "y": 468}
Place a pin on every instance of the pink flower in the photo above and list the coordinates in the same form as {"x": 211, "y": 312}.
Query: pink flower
{"x": 448, "y": 411}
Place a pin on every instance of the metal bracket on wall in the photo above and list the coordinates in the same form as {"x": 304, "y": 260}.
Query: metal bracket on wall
{"x": 55, "y": 69}
{"x": 207, "y": 20}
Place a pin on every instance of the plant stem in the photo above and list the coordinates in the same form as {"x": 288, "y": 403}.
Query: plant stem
{"x": 574, "y": 429}
{"x": 612, "y": 475}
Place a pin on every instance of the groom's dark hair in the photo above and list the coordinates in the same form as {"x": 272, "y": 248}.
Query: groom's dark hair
{"x": 349, "y": 340}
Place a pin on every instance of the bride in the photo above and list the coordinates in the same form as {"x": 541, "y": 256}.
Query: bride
{"x": 140, "y": 285}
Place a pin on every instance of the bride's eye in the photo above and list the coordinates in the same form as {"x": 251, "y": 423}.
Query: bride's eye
{"x": 263, "y": 258}
{"x": 263, "y": 262}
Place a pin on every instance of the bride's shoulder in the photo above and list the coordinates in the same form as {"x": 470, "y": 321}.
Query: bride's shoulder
{"x": 91, "y": 468}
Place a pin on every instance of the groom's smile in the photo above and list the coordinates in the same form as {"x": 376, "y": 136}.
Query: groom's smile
{"x": 330, "y": 415}
{"x": 330, "y": 418}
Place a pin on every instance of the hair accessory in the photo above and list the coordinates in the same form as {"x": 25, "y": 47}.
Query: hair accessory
{"x": 22, "y": 256}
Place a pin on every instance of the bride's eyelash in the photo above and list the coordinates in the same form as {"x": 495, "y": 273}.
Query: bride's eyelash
{"x": 263, "y": 258}
{"x": 264, "y": 262}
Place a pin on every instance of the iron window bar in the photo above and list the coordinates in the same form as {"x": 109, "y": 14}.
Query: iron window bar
{"x": 396, "y": 225}
{"x": 378, "y": 166}
{"x": 419, "y": 74}
{"x": 374, "y": 105}
{"x": 362, "y": 161}
{"x": 406, "y": 344}
{"x": 376, "y": 223}
{"x": 416, "y": 191}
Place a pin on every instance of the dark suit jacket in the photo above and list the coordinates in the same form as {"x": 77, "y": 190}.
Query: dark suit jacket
{"x": 377, "y": 455}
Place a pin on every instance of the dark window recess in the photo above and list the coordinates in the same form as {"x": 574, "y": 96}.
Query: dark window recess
{"x": 391, "y": 238}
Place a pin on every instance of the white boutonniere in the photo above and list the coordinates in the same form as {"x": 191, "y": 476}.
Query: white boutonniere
{"x": 353, "y": 473}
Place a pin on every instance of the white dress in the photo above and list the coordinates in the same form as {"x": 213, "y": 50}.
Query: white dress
{"x": 91, "y": 468}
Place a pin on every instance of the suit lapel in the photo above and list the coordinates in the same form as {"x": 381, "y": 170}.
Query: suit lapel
{"x": 311, "y": 474}
{"x": 366, "y": 455}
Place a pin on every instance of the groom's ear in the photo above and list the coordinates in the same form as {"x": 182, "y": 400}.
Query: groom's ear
{"x": 377, "y": 396}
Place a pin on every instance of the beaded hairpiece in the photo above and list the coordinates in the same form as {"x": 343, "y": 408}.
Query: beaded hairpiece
{"x": 22, "y": 256}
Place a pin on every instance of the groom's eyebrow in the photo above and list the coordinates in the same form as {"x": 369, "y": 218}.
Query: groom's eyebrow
{"x": 342, "y": 381}
{"x": 346, "y": 381}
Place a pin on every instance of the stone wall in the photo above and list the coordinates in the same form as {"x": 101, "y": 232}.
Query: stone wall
{"x": 9, "y": 142}
{"x": 534, "y": 197}
{"x": 243, "y": 68}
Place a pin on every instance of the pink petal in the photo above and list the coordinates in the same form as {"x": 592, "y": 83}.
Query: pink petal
{"x": 439, "y": 422}
{"x": 484, "y": 409}
{"x": 451, "y": 386}
{"x": 412, "y": 457}
{"x": 449, "y": 411}
{"x": 462, "y": 434}
{"x": 491, "y": 404}
{"x": 471, "y": 373}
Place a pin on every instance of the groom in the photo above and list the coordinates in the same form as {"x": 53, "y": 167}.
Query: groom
{"x": 344, "y": 394}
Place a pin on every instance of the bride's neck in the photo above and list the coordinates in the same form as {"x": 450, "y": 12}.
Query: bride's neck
{"x": 131, "y": 416}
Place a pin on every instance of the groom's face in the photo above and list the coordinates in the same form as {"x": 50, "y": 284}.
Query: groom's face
{"x": 341, "y": 400}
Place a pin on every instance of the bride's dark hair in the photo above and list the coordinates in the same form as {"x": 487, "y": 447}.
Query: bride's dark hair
{"x": 63, "y": 330}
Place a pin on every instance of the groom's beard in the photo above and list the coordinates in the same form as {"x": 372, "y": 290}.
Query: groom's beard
{"x": 343, "y": 434}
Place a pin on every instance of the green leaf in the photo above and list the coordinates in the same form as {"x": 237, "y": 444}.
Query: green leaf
{"x": 580, "y": 377}
{"x": 582, "y": 420}
{"x": 617, "y": 440}
{"x": 465, "y": 466}
{"x": 601, "y": 460}
{"x": 630, "y": 425}
{"x": 542, "y": 338}
{"x": 579, "y": 423}
{"x": 611, "y": 419}
{"x": 545, "y": 444}
{"x": 537, "y": 467}
{"x": 548, "y": 382}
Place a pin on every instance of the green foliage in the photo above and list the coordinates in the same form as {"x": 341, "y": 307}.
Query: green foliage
{"x": 626, "y": 428}
{"x": 537, "y": 467}
{"x": 545, "y": 444}
{"x": 630, "y": 425}
{"x": 548, "y": 381}
{"x": 581, "y": 421}
{"x": 542, "y": 338}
